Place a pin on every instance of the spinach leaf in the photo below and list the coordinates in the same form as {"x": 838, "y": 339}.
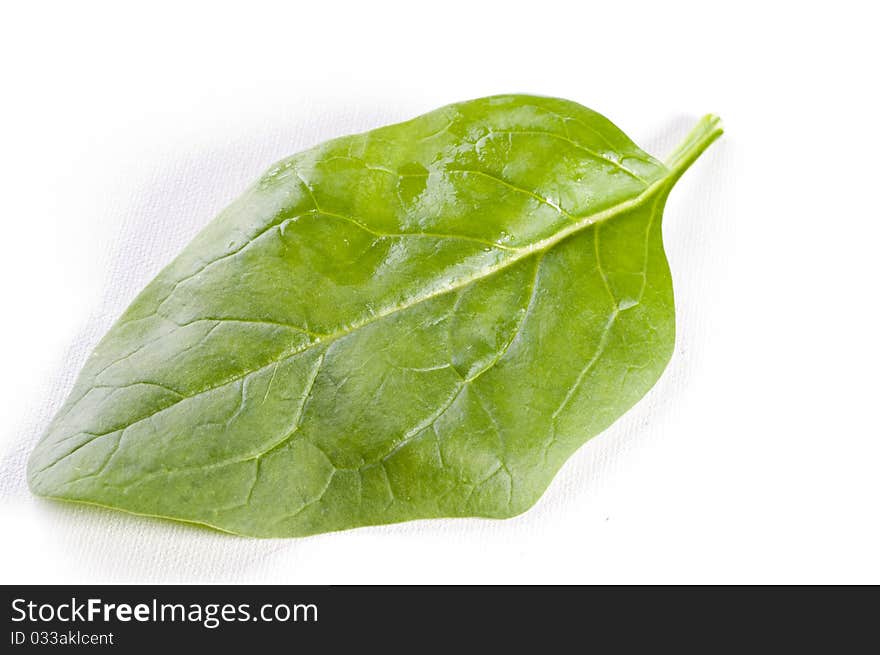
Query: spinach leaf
{"x": 424, "y": 320}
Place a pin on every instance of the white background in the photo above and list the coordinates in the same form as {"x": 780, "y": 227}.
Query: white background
{"x": 755, "y": 459}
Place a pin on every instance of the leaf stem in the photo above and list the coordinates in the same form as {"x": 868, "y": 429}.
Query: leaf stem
{"x": 707, "y": 129}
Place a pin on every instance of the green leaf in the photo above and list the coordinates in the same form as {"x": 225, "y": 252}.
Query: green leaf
{"x": 424, "y": 320}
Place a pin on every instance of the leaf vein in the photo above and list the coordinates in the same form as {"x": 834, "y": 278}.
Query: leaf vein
{"x": 539, "y": 246}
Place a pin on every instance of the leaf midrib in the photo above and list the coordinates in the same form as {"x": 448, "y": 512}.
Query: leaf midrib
{"x": 518, "y": 255}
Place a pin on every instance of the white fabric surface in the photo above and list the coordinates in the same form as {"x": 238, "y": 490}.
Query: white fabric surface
{"x": 753, "y": 459}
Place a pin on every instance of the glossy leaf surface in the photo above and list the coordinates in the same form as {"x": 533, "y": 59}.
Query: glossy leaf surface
{"x": 424, "y": 320}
